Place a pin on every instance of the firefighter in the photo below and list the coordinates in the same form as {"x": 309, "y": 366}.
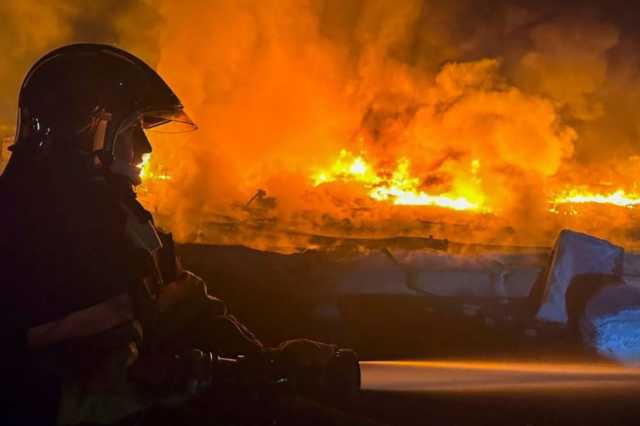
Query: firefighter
{"x": 78, "y": 250}
{"x": 95, "y": 304}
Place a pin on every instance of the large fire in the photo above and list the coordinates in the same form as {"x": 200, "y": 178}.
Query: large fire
{"x": 401, "y": 188}
{"x": 398, "y": 186}
{"x": 494, "y": 123}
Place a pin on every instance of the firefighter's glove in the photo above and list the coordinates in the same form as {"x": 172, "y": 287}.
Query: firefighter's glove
{"x": 183, "y": 303}
{"x": 187, "y": 287}
{"x": 318, "y": 369}
{"x": 182, "y": 374}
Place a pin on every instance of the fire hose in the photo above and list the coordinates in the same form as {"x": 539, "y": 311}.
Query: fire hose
{"x": 195, "y": 371}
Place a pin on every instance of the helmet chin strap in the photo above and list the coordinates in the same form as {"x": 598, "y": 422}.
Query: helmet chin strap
{"x": 102, "y": 121}
{"x": 115, "y": 165}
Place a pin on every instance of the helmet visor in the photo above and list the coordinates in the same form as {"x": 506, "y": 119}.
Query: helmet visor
{"x": 168, "y": 121}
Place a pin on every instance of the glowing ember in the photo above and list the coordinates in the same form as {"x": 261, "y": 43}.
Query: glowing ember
{"x": 618, "y": 198}
{"x": 401, "y": 188}
{"x": 475, "y": 166}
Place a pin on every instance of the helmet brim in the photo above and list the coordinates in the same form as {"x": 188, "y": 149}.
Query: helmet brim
{"x": 168, "y": 121}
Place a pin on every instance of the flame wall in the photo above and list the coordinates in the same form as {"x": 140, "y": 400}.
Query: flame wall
{"x": 508, "y": 102}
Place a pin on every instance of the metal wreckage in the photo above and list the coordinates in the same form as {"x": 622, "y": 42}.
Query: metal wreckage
{"x": 579, "y": 297}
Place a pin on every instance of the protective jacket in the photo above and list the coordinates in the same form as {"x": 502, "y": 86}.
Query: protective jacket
{"x": 68, "y": 269}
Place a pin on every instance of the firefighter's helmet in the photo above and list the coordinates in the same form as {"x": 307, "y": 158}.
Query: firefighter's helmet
{"x": 94, "y": 89}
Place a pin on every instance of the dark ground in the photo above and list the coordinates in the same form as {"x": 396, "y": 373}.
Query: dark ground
{"x": 540, "y": 408}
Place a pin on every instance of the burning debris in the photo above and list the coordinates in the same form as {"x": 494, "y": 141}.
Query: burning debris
{"x": 398, "y": 187}
{"x": 618, "y": 198}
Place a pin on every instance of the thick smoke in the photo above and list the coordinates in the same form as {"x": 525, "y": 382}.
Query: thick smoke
{"x": 32, "y": 28}
{"x": 538, "y": 94}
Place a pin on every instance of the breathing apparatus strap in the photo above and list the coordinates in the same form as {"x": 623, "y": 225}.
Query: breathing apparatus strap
{"x": 101, "y": 122}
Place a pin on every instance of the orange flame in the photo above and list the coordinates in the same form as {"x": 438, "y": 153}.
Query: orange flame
{"x": 146, "y": 171}
{"x": 618, "y": 198}
{"x": 401, "y": 188}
